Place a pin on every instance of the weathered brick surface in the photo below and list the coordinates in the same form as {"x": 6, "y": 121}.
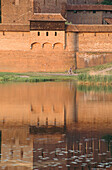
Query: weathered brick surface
{"x": 50, "y": 6}
{"x": 85, "y": 17}
{"x": 99, "y": 42}
{"x": 88, "y": 17}
{"x": 25, "y": 61}
{"x": 84, "y": 1}
{"x": 16, "y": 12}
{"x": 88, "y": 59}
{"x": 25, "y": 51}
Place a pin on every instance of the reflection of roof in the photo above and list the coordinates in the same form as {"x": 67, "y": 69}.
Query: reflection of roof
{"x": 47, "y": 17}
{"x": 89, "y": 28}
{"x": 108, "y": 20}
{"x": 46, "y": 129}
{"x": 90, "y": 7}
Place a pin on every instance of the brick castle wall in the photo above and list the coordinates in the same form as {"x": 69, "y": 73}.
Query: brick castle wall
{"x": 88, "y": 17}
{"x": 85, "y": 17}
{"x": 30, "y": 52}
{"x": 89, "y": 59}
{"x": 95, "y": 42}
{"x": 42, "y": 61}
{"x": 84, "y": 1}
{"x": 16, "y": 11}
{"x": 50, "y": 6}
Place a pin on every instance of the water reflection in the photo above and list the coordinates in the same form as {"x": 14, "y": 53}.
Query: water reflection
{"x": 55, "y": 126}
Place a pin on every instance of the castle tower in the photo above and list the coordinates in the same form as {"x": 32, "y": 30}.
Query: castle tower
{"x": 50, "y": 6}
{"x": 16, "y": 11}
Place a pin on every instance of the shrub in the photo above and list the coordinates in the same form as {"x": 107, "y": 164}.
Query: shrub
{"x": 107, "y": 2}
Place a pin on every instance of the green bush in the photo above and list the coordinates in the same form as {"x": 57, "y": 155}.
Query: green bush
{"x": 107, "y": 2}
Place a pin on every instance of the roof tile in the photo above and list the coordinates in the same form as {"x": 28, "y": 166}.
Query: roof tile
{"x": 47, "y": 17}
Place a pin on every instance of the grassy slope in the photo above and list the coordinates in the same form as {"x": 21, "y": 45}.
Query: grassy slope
{"x": 83, "y": 75}
{"x": 94, "y": 68}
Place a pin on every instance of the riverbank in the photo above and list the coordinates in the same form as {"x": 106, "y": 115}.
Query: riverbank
{"x": 99, "y": 75}
{"x": 35, "y": 77}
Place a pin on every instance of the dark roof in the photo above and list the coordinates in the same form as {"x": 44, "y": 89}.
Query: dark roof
{"x": 108, "y": 20}
{"x": 71, "y": 28}
{"x": 88, "y": 28}
{"x": 47, "y": 17}
{"x": 89, "y": 7}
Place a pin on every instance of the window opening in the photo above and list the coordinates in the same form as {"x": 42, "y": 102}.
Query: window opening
{"x": 75, "y": 11}
{"x": 38, "y": 33}
{"x": 47, "y": 34}
{"x": 3, "y": 33}
{"x": 44, "y": 2}
{"x": 56, "y": 2}
{"x": 55, "y": 33}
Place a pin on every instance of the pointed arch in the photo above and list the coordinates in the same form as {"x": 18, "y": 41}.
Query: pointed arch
{"x": 35, "y": 46}
{"x": 58, "y": 46}
{"x": 47, "y": 46}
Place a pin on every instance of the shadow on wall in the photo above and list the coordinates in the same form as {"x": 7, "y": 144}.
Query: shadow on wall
{"x": 47, "y": 46}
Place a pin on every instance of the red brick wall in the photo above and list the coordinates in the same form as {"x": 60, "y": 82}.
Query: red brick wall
{"x": 50, "y": 6}
{"x": 16, "y": 12}
{"x": 85, "y": 17}
{"x": 95, "y": 42}
{"x": 84, "y": 1}
{"x": 28, "y": 61}
{"x": 25, "y": 51}
{"x": 88, "y": 59}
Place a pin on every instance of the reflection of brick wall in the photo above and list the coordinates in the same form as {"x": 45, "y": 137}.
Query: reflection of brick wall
{"x": 37, "y": 102}
{"x": 13, "y": 140}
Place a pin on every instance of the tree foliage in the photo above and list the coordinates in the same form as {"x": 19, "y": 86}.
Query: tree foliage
{"x": 107, "y": 2}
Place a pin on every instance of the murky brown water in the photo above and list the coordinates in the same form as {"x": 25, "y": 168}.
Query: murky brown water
{"x": 55, "y": 126}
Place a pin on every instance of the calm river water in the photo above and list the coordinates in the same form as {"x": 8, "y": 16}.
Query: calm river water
{"x": 55, "y": 125}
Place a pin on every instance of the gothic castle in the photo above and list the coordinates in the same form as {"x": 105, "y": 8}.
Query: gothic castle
{"x": 54, "y": 35}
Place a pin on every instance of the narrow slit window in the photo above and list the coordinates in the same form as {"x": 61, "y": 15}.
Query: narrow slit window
{"x": 55, "y": 33}
{"x": 47, "y": 34}
{"x": 3, "y": 33}
{"x": 44, "y": 2}
{"x": 38, "y": 33}
{"x": 56, "y": 2}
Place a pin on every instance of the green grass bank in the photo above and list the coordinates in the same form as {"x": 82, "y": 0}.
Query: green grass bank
{"x": 94, "y": 75}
